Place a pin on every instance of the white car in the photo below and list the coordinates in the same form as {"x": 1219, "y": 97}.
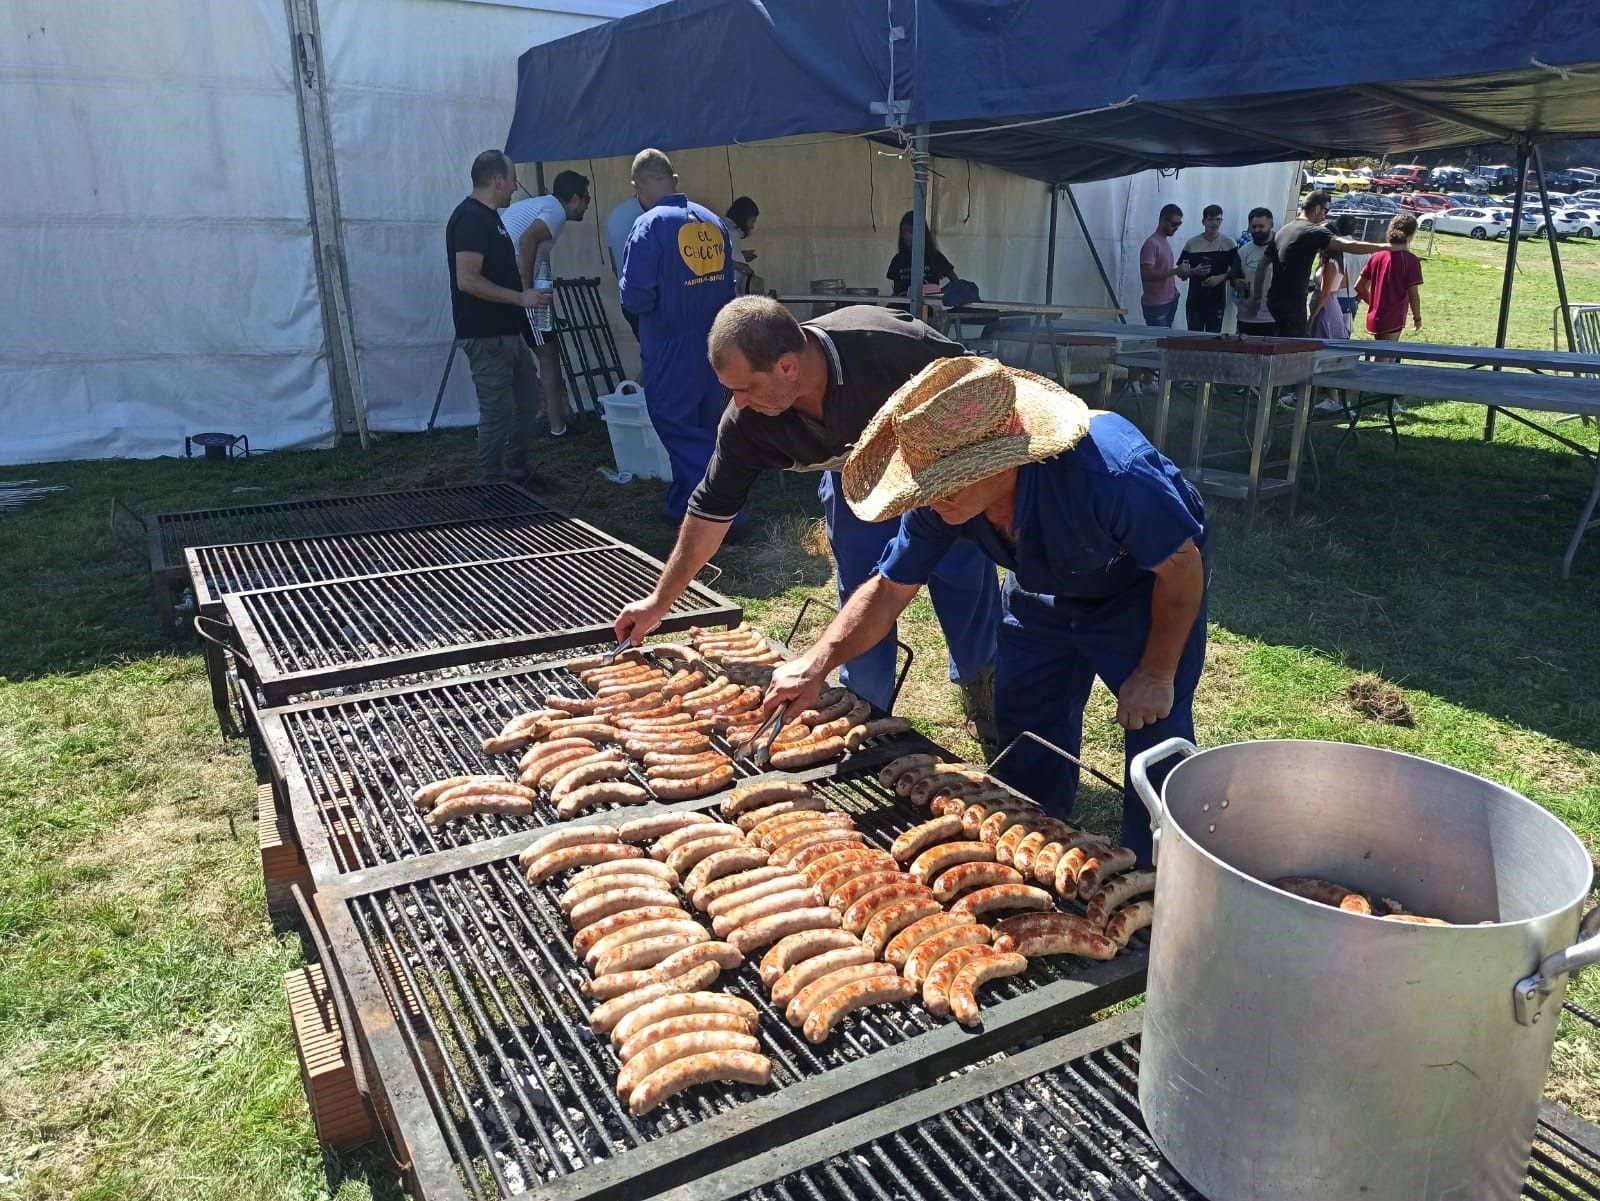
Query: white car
{"x": 1576, "y": 223}
{"x": 1318, "y": 181}
{"x": 1479, "y": 223}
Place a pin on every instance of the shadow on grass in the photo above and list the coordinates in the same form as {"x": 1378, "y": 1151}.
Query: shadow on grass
{"x": 370, "y": 1168}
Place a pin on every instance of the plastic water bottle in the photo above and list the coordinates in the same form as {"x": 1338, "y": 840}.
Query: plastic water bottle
{"x": 543, "y": 319}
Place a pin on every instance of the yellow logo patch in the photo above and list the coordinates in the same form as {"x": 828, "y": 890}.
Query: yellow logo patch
{"x": 702, "y": 246}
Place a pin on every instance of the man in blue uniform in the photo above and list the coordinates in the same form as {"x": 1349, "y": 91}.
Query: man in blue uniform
{"x": 1101, "y": 537}
{"x": 677, "y": 273}
{"x": 802, "y": 394}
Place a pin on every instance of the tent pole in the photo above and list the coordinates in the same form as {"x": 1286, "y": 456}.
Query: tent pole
{"x": 1050, "y": 262}
{"x": 538, "y": 178}
{"x": 1555, "y": 250}
{"x": 1512, "y": 238}
{"x": 1094, "y": 253}
{"x": 919, "y": 216}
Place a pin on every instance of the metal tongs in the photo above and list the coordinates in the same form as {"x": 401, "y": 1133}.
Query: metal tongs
{"x": 610, "y": 657}
{"x": 758, "y": 749}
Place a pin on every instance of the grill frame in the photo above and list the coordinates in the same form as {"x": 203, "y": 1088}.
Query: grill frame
{"x": 800, "y": 1168}
{"x": 248, "y": 618}
{"x": 401, "y": 1088}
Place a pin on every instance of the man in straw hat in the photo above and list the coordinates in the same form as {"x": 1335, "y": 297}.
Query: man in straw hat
{"x": 1100, "y": 536}
{"x": 802, "y": 394}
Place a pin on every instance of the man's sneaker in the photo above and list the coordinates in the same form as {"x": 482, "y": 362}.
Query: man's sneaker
{"x": 1329, "y": 405}
{"x": 977, "y": 705}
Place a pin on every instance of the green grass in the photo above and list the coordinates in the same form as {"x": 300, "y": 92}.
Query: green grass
{"x": 143, "y": 1034}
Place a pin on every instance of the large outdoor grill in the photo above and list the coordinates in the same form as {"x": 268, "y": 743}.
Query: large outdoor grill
{"x": 306, "y": 637}
{"x": 1061, "y": 1121}
{"x": 476, "y": 1032}
{"x": 170, "y": 534}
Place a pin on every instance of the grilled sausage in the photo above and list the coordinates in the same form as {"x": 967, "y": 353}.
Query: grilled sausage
{"x": 939, "y": 859}
{"x": 1324, "y": 892}
{"x": 980, "y": 806}
{"x": 980, "y": 970}
{"x": 578, "y": 706}
{"x": 789, "y": 985}
{"x": 1002, "y": 818}
{"x": 591, "y": 731}
{"x": 629, "y": 866}
{"x": 637, "y": 744}
{"x": 768, "y": 792}
{"x": 682, "y": 683}
{"x": 804, "y": 1001}
{"x": 626, "y": 932}
{"x": 1072, "y": 862}
{"x": 611, "y": 1017}
{"x": 744, "y": 1067}
{"x": 692, "y": 769}
{"x": 710, "y": 894}
{"x": 807, "y": 754}
{"x": 566, "y": 859}
{"x": 648, "y": 829}
{"x": 831, "y": 881}
{"x": 1010, "y": 841}
{"x": 1043, "y": 868}
{"x": 685, "y": 834}
{"x": 582, "y": 890}
{"x": 863, "y": 859}
{"x": 506, "y": 744}
{"x": 798, "y": 947}
{"x": 703, "y": 785}
{"x": 774, "y": 830}
{"x": 783, "y": 881}
{"x": 919, "y": 838}
{"x": 1027, "y": 850}
{"x": 761, "y": 907}
{"x": 1003, "y": 896}
{"x": 917, "y": 933}
{"x": 815, "y": 852}
{"x": 790, "y": 849}
{"x": 658, "y": 1054}
{"x": 837, "y": 728}
{"x": 769, "y": 929}
{"x": 891, "y": 919}
{"x": 1039, "y": 934}
{"x": 859, "y": 994}
{"x": 1117, "y": 892}
{"x": 860, "y": 912}
{"x": 576, "y": 836}
{"x": 490, "y": 787}
{"x": 884, "y": 727}
{"x": 668, "y": 758}
{"x": 535, "y": 774}
{"x": 642, "y": 686}
{"x": 678, "y": 1004}
{"x": 936, "y": 984}
{"x": 890, "y": 773}
{"x": 827, "y": 699}
{"x": 586, "y": 771}
{"x": 947, "y": 775}
{"x": 807, "y": 804}
{"x": 647, "y": 952}
{"x": 620, "y": 900}
{"x": 595, "y": 932}
{"x": 684, "y": 1024}
{"x": 1125, "y": 922}
{"x": 428, "y": 794}
{"x": 632, "y": 654}
{"x": 836, "y": 709}
{"x": 1097, "y": 870}
{"x": 691, "y": 853}
{"x": 474, "y": 805}
{"x": 964, "y": 877}
{"x": 853, "y": 889}
{"x": 719, "y": 864}
{"x": 937, "y": 946}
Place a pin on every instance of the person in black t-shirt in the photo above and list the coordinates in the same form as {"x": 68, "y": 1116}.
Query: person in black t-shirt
{"x": 1293, "y": 254}
{"x": 936, "y": 269}
{"x": 802, "y": 394}
{"x": 489, "y": 307}
{"x": 1213, "y": 260}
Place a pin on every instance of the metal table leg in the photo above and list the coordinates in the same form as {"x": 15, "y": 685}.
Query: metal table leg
{"x": 1108, "y": 381}
{"x": 1258, "y": 445}
{"x": 1302, "y": 418}
{"x": 1586, "y": 522}
{"x": 1202, "y": 419}
{"x": 1163, "y": 410}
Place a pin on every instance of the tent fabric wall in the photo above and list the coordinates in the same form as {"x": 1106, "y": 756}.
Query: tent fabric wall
{"x": 155, "y": 232}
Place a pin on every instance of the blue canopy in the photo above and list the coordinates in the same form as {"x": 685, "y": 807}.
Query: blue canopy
{"x": 1062, "y": 91}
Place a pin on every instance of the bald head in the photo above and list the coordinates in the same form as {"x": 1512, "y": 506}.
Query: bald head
{"x": 652, "y": 177}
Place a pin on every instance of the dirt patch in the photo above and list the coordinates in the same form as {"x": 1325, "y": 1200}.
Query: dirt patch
{"x": 1376, "y": 701}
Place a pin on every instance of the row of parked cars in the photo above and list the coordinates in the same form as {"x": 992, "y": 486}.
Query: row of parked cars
{"x": 1481, "y": 217}
{"x": 1410, "y": 177}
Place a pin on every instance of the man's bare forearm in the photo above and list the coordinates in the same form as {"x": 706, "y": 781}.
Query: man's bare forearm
{"x": 698, "y": 540}
{"x": 1174, "y": 605}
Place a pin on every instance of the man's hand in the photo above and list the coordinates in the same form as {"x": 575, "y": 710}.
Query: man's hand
{"x": 1214, "y": 281}
{"x": 533, "y": 298}
{"x": 1145, "y": 699}
{"x": 1416, "y": 322}
{"x": 1181, "y": 271}
{"x": 639, "y": 618}
{"x": 795, "y": 687}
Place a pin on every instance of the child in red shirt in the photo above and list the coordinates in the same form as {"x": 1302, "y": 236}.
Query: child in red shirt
{"x": 1390, "y": 281}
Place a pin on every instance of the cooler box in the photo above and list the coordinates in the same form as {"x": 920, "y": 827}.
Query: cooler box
{"x": 633, "y": 439}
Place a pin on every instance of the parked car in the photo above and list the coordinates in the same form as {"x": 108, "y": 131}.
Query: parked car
{"x": 1426, "y": 202}
{"x": 1585, "y": 177}
{"x": 1365, "y": 204}
{"x": 1403, "y": 177}
{"x": 1452, "y": 179}
{"x": 1318, "y": 181}
{"x": 1591, "y": 197}
{"x": 1479, "y": 223}
{"x": 1347, "y": 179}
{"x": 1500, "y": 177}
{"x": 1576, "y": 223}
{"x": 1532, "y": 222}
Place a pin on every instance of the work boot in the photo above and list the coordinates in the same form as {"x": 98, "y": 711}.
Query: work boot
{"x": 977, "y": 706}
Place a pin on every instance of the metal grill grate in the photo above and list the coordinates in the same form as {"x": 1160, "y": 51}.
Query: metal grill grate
{"x": 170, "y": 534}
{"x": 523, "y": 1095}
{"x": 338, "y": 632}
{"x": 217, "y": 571}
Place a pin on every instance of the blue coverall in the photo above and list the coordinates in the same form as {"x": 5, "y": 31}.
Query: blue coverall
{"x": 1089, "y": 527}
{"x": 677, "y": 273}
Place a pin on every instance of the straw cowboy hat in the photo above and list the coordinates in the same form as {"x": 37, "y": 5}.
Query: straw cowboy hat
{"x": 956, "y": 422}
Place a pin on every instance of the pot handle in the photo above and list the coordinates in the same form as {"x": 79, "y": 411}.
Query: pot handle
{"x": 1530, "y": 994}
{"x": 1139, "y": 776}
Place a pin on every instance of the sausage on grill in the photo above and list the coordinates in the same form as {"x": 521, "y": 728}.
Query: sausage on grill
{"x": 552, "y": 863}
{"x": 937, "y": 860}
{"x": 807, "y": 754}
{"x": 919, "y": 838}
{"x": 678, "y": 1004}
{"x": 576, "y": 836}
{"x": 648, "y": 829}
{"x": 918, "y": 932}
{"x": 704, "y": 785}
{"x": 705, "y": 897}
{"x": 797, "y": 948}
{"x": 1039, "y": 934}
{"x": 754, "y": 796}
{"x": 743, "y": 1067}
{"x": 964, "y": 986}
{"x": 878, "y": 990}
{"x": 611, "y": 1017}
{"x": 473, "y": 805}
{"x": 769, "y": 929}
{"x": 965, "y": 877}
{"x": 691, "y": 1023}
{"x": 891, "y": 919}
{"x": 935, "y": 948}
{"x": 752, "y": 818}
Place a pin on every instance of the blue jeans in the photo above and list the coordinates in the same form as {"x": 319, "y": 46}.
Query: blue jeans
{"x": 964, "y": 591}
{"x": 1047, "y": 659}
{"x": 1160, "y": 314}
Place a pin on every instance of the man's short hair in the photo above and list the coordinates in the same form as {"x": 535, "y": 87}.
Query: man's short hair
{"x": 1210, "y": 211}
{"x": 651, "y": 164}
{"x": 1401, "y": 228}
{"x": 1318, "y": 200}
{"x": 490, "y": 166}
{"x": 1260, "y": 212}
{"x": 569, "y": 184}
{"x": 759, "y": 328}
{"x": 1171, "y": 210}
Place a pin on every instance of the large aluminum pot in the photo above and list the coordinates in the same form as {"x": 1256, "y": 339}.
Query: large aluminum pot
{"x": 1295, "y": 1052}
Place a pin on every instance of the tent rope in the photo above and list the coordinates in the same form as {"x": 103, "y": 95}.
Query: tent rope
{"x": 1563, "y": 72}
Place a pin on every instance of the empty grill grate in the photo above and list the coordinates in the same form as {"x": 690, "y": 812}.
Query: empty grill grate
{"x": 522, "y": 1094}
{"x": 216, "y": 571}
{"x": 337, "y": 632}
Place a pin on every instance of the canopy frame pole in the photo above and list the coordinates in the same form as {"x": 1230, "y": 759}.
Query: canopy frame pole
{"x": 1555, "y": 250}
{"x": 1513, "y": 237}
{"x": 538, "y": 177}
{"x": 1050, "y": 261}
{"x": 1094, "y": 253}
{"x": 919, "y": 217}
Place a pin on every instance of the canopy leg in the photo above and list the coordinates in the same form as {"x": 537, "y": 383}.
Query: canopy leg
{"x": 919, "y": 217}
{"x": 1513, "y": 237}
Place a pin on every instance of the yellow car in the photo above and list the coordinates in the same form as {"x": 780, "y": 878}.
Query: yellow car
{"x": 1346, "y": 179}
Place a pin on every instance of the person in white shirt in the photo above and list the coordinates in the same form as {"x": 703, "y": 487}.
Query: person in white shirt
{"x": 1254, "y": 319}
{"x": 534, "y": 225}
{"x": 618, "y": 226}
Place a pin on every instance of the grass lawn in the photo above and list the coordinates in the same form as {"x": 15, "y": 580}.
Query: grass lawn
{"x": 144, "y": 1042}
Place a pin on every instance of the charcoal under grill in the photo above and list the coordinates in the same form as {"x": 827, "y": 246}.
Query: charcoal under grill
{"x": 217, "y": 571}
{"x": 496, "y": 1086}
{"x": 1058, "y": 1121}
{"x": 335, "y": 632}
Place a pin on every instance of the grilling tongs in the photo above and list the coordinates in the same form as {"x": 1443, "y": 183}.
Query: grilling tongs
{"x": 610, "y": 657}
{"x": 758, "y": 747}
